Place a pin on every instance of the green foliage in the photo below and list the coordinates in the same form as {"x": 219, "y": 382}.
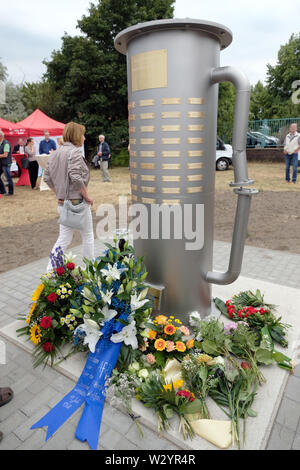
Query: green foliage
{"x": 14, "y": 109}
{"x": 89, "y": 76}
{"x": 226, "y": 111}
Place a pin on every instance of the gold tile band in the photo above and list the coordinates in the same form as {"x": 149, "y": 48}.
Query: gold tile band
{"x": 147, "y": 116}
{"x": 147, "y": 200}
{"x": 195, "y": 140}
{"x": 171, "y": 190}
{"x": 148, "y": 166}
{"x": 147, "y": 128}
{"x": 195, "y": 114}
{"x": 171, "y": 141}
{"x": 171, "y": 166}
{"x": 148, "y": 177}
{"x": 171, "y": 178}
{"x": 196, "y": 101}
{"x": 148, "y": 189}
{"x": 175, "y": 128}
{"x": 171, "y": 115}
{"x": 170, "y": 101}
{"x": 147, "y": 141}
{"x": 194, "y": 166}
{"x": 194, "y": 177}
{"x": 148, "y": 154}
{"x": 194, "y": 189}
{"x": 195, "y": 153}
{"x": 171, "y": 153}
{"x": 146, "y": 103}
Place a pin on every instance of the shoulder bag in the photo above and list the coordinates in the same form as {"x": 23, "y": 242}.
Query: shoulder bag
{"x": 71, "y": 215}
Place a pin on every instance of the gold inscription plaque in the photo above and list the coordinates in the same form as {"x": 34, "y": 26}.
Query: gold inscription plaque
{"x": 171, "y": 153}
{"x": 195, "y": 153}
{"x": 171, "y": 190}
{"x": 133, "y": 164}
{"x": 134, "y": 197}
{"x": 147, "y": 128}
{"x": 146, "y": 103}
{"x": 133, "y": 153}
{"x": 147, "y": 116}
{"x": 132, "y": 141}
{"x": 134, "y": 176}
{"x": 175, "y": 128}
{"x": 148, "y": 166}
{"x": 171, "y": 202}
{"x": 171, "y": 166}
{"x": 148, "y": 189}
{"x": 148, "y": 177}
{"x": 195, "y": 127}
{"x": 195, "y": 177}
{"x": 175, "y": 140}
{"x": 172, "y": 178}
{"x": 196, "y": 101}
{"x": 131, "y": 105}
{"x": 149, "y": 70}
{"x": 170, "y": 101}
{"x": 132, "y": 130}
{"x": 134, "y": 187}
{"x": 196, "y": 114}
{"x": 171, "y": 114}
{"x": 131, "y": 117}
{"x": 149, "y": 154}
{"x": 195, "y": 189}
{"x": 194, "y": 166}
{"x": 147, "y": 141}
{"x": 147, "y": 200}
{"x": 195, "y": 140}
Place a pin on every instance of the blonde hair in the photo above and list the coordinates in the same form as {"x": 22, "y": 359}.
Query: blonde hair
{"x": 60, "y": 141}
{"x": 73, "y": 132}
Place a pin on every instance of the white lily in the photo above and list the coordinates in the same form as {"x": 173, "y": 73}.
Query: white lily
{"x": 106, "y": 297}
{"x": 195, "y": 318}
{"x": 108, "y": 314}
{"x": 92, "y": 333}
{"x": 137, "y": 301}
{"x": 113, "y": 272}
{"x": 128, "y": 335}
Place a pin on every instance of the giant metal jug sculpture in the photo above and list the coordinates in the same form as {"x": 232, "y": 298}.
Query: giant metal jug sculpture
{"x": 173, "y": 72}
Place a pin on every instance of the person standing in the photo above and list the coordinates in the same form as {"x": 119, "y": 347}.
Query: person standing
{"x": 59, "y": 168}
{"x": 104, "y": 157}
{"x": 19, "y": 148}
{"x": 5, "y": 164}
{"x": 291, "y": 148}
{"x": 47, "y": 145}
{"x": 33, "y": 168}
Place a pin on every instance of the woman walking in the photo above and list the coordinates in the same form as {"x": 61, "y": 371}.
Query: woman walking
{"x": 33, "y": 168}
{"x": 67, "y": 163}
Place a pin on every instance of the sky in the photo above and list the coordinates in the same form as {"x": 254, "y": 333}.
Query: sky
{"x": 31, "y": 30}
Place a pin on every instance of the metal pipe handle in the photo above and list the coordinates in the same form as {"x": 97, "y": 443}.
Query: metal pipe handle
{"x": 242, "y": 85}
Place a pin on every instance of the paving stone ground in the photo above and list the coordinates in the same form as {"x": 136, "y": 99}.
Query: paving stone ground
{"x": 36, "y": 391}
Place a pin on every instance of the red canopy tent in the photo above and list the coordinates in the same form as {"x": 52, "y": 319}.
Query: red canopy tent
{"x": 12, "y": 129}
{"x": 37, "y": 122}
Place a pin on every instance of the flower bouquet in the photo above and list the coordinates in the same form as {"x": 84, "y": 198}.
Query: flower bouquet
{"x": 50, "y": 325}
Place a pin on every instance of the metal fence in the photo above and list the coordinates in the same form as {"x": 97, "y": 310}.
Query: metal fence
{"x": 269, "y": 132}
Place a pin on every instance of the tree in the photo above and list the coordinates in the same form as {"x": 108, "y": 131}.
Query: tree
{"x": 41, "y": 95}
{"x": 226, "y": 111}
{"x": 280, "y": 78}
{"x": 89, "y": 76}
{"x": 13, "y": 110}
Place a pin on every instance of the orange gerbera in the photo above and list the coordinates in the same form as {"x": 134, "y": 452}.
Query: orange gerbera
{"x": 160, "y": 344}
{"x": 190, "y": 343}
{"x": 161, "y": 319}
{"x": 180, "y": 346}
{"x": 169, "y": 329}
{"x": 152, "y": 334}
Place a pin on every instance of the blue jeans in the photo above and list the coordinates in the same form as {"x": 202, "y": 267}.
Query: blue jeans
{"x": 291, "y": 160}
{"x": 6, "y": 170}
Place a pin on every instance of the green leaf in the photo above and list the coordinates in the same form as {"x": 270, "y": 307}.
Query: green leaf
{"x": 264, "y": 356}
{"x": 221, "y": 306}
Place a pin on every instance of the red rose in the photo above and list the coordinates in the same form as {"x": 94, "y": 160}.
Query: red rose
{"x": 60, "y": 271}
{"x": 52, "y": 297}
{"x": 70, "y": 266}
{"x": 245, "y": 365}
{"x": 186, "y": 394}
{"x": 48, "y": 347}
{"x": 46, "y": 322}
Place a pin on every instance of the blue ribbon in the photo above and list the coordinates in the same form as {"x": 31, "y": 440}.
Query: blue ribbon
{"x": 90, "y": 389}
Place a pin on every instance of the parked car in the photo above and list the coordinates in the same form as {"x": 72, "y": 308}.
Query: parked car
{"x": 223, "y": 155}
{"x": 255, "y": 139}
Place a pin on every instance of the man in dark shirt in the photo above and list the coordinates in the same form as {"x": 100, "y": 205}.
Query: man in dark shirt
{"x": 47, "y": 145}
{"x": 5, "y": 164}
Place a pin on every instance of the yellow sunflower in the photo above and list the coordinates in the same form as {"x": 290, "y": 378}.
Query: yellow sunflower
{"x": 33, "y": 307}
{"x": 37, "y": 293}
{"x": 35, "y": 334}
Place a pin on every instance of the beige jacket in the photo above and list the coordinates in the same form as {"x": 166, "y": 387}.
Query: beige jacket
{"x": 56, "y": 172}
